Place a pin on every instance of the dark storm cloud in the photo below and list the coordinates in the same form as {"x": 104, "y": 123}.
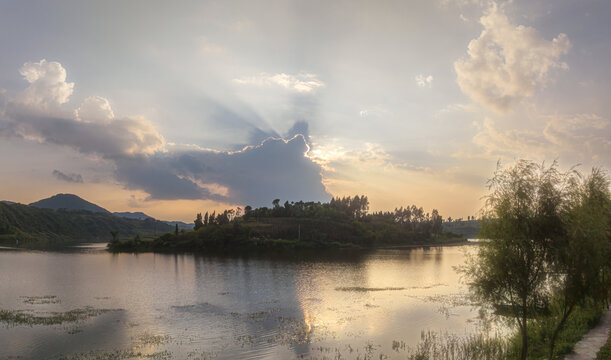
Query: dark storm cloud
{"x": 300, "y": 128}
{"x": 254, "y": 176}
{"x": 257, "y": 136}
{"x": 74, "y": 178}
{"x": 156, "y": 177}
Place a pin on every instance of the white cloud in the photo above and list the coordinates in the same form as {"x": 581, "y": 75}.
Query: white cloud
{"x": 508, "y": 143}
{"x": 331, "y": 156}
{"x": 210, "y": 48}
{"x": 302, "y": 83}
{"x": 48, "y": 86}
{"x": 507, "y": 63}
{"x": 34, "y": 114}
{"x": 586, "y": 134}
{"x": 423, "y": 81}
{"x": 584, "y": 137}
{"x": 95, "y": 109}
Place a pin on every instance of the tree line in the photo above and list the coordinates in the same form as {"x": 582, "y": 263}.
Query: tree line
{"x": 412, "y": 218}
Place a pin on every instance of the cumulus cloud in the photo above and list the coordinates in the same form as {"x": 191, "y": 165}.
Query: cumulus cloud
{"x": 95, "y": 109}
{"x": 587, "y": 134}
{"x": 74, "y": 178}
{"x": 332, "y": 156}
{"x": 495, "y": 142}
{"x": 35, "y": 114}
{"x": 507, "y": 63}
{"x": 301, "y": 83}
{"x": 584, "y": 136}
{"x": 48, "y": 86}
{"x": 423, "y": 81}
{"x": 121, "y": 137}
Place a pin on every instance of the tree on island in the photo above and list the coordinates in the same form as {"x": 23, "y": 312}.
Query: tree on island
{"x": 198, "y": 222}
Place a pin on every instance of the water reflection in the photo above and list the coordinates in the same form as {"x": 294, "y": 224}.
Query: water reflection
{"x": 193, "y": 305}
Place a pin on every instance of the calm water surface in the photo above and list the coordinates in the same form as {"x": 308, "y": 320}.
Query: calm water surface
{"x": 195, "y": 307}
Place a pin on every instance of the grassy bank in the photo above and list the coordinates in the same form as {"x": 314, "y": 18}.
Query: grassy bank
{"x": 435, "y": 346}
{"x": 540, "y": 331}
{"x": 605, "y": 351}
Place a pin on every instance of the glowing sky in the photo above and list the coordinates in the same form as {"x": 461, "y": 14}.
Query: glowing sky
{"x": 181, "y": 107}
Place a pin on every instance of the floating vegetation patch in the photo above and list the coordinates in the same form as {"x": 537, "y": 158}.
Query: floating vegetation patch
{"x": 451, "y": 300}
{"x": 366, "y": 289}
{"x": 24, "y": 317}
{"x": 447, "y": 302}
{"x": 147, "y": 339}
{"x": 200, "y": 308}
{"x": 428, "y": 286}
{"x": 202, "y": 355}
{"x": 257, "y": 316}
{"x": 40, "y": 300}
{"x": 119, "y": 355}
{"x": 74, "y": 331}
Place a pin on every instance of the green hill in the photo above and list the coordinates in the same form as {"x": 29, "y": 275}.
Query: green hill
{"x": 39, "y": 227}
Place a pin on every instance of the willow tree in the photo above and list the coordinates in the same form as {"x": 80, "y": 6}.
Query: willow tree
{"x": 521, "y": 217}
{"x": 581, "y": 256}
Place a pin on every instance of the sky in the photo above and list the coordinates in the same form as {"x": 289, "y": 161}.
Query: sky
{"x": 174, "y": 108}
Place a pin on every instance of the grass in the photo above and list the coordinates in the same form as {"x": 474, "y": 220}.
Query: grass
{"x": 435, "y": 346}
{"x": 540, "y": 330}
{"x": 605, "y": 352}
{"x": 439, "y": 346}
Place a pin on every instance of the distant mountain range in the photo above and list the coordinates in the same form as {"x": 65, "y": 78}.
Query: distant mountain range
{"x": 133, "y": 215}
{"x": 181, "y": 224}
{"x": 469, "y": 228}
{"x": 76, "y": 203}
{"x": 35, "y": 227}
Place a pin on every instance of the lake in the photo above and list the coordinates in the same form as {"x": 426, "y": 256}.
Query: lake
{"x": 187, "y": 306}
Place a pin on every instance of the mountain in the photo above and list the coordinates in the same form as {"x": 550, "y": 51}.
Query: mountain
{"x": 39, "y": 227}
{"x": 469, "y": 228}
{"x": 181, "y": 225}
{"x": 68, "y": 202}
{"x": 7, "y": 202}
{"x": 132, "y": 215}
